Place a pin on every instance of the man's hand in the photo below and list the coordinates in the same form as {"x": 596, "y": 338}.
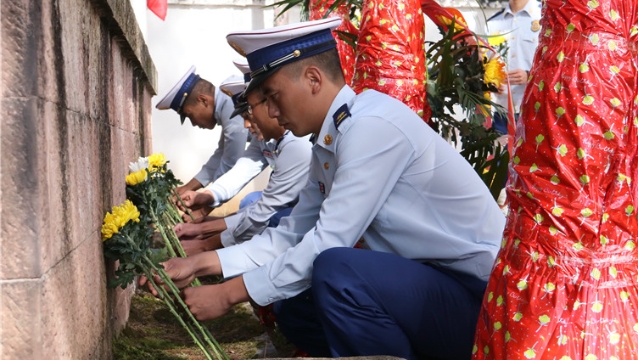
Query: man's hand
{"x": 188, "y": 231}
{"x": 195, "y": 200}
{"x": 212, "y": 301}
{"x": 192, "y": 247}
{"x": 198, "y": 216}
{"x": 180, "y": 270}
{"x": 192, "y": 185}
{"x": 517, "y": 77}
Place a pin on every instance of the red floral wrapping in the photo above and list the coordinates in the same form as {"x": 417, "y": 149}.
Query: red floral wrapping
{"x": 318, "y": 9}
{"x": 565, "y": 284}
{"x": 390, "y": 55}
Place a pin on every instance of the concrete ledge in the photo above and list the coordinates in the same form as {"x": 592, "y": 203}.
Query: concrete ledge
{"x": 121, "y": 21}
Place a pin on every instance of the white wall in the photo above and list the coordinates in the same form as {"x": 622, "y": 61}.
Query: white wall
{"x": 194, "y": 33}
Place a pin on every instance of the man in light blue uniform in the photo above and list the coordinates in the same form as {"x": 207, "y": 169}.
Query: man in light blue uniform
{"x": 377, "y": 172}
{"x": 519, "y": 23}
{"x": 206, "y": 106}
{"x": 287, "y": 155}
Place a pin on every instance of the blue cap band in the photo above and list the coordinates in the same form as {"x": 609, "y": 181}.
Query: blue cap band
{"x": 184, "y": 91}
{"x": 247, "y": 77}
{"x": 271, "y": 57}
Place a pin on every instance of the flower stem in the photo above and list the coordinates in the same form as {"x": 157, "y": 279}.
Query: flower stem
{"x": 173, "y": 212}
{"x": 167, "y": 242}
{"x": 206, "y": 334}
{"x": 171, "y": 306}
{"x": 179, "y": 198}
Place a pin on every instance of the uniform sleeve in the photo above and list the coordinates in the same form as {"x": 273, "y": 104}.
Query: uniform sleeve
{"x": 263, "y": 248}
{"x": 206, "y": 174}
{"x": 286, "y": 181}
{"x": 358, "y": 192}
{"x": 230, "y": 148}
{"x": 246, "y": 168}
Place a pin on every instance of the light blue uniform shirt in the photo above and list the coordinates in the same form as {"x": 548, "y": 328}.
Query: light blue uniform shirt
{"x": 521, "y": 31}
{"x": 289, "y": 159}
{"x": 383, "y": 174}
{"x": 232, "y": 141}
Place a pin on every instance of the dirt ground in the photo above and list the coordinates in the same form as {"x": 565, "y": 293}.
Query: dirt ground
{"x": 152, "y": 332}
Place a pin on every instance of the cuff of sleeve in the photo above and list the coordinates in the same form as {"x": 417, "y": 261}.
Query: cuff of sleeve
{"x": 216, "y": 194}
{"x": 260, "y": 288}
{"x": 203, "y": 178}
{"x": 228, "y": 261}
{"x": 227, "y": 238}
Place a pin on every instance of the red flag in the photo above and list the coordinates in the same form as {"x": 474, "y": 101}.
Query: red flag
{"x": 158, "y": 7}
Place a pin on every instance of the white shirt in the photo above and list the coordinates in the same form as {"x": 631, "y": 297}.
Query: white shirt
{"x": 289, "y": 159}
{"x": 521, "y": 31}
{"x": 385, "y": 175}
{"x": 232, "y": 141}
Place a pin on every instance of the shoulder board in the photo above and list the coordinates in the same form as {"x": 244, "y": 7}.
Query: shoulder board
{"x": 339, "y": 115}
{"x": 497, "y": 14}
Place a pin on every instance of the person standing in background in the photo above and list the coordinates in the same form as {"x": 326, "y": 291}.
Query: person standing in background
{"x": 519, "y": 23}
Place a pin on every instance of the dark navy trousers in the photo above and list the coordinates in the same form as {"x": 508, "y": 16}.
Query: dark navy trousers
{"x": 365, "y": 302}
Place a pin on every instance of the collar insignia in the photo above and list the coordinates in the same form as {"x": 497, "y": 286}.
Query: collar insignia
{"x": 327, "y": 139}
{"x": 340, "y": 115}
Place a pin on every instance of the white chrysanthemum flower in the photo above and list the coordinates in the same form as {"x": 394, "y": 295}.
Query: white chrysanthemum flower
{"x": 141, "y": 163}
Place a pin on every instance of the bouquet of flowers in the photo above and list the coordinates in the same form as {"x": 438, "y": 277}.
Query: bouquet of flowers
{"x": 128, "y": 237}
{"x": 150, "y": 185}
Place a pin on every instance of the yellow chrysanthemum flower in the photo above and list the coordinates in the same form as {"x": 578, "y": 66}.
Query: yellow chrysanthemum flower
{"x": 155, "y": 161}
{"x": 109, "y": 228}
{"x": 494, "y": 72}
{"x": 118, "y": 217}
{"x": 136, "y": 177}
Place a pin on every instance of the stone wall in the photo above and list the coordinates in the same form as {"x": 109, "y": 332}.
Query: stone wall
{"x": 76, "y": 85}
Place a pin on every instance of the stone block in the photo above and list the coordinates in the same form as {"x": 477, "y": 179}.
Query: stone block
{"x": 20, "y": 140}
{"x": 19, "y": 47}
{"x": 74, "y": 310}
{"x": 20, "y": 304}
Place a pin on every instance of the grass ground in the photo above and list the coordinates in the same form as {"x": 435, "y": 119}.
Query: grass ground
{"x": 152, "y": 333}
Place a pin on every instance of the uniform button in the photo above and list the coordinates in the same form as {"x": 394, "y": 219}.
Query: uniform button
{"x": 326, "y": 166}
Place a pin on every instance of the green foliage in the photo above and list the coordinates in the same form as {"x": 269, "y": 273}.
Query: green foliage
{"x": 129, "y": 252}
{"x": 456, "y": 77}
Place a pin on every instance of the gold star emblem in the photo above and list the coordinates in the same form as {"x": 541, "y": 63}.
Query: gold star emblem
{"x": 327, "y": 139}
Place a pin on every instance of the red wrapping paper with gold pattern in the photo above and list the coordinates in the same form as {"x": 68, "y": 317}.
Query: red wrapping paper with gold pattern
{"x": 318, "y": 9}
{"x": 390, "y": 55}
{"x": 565, "y": 283}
